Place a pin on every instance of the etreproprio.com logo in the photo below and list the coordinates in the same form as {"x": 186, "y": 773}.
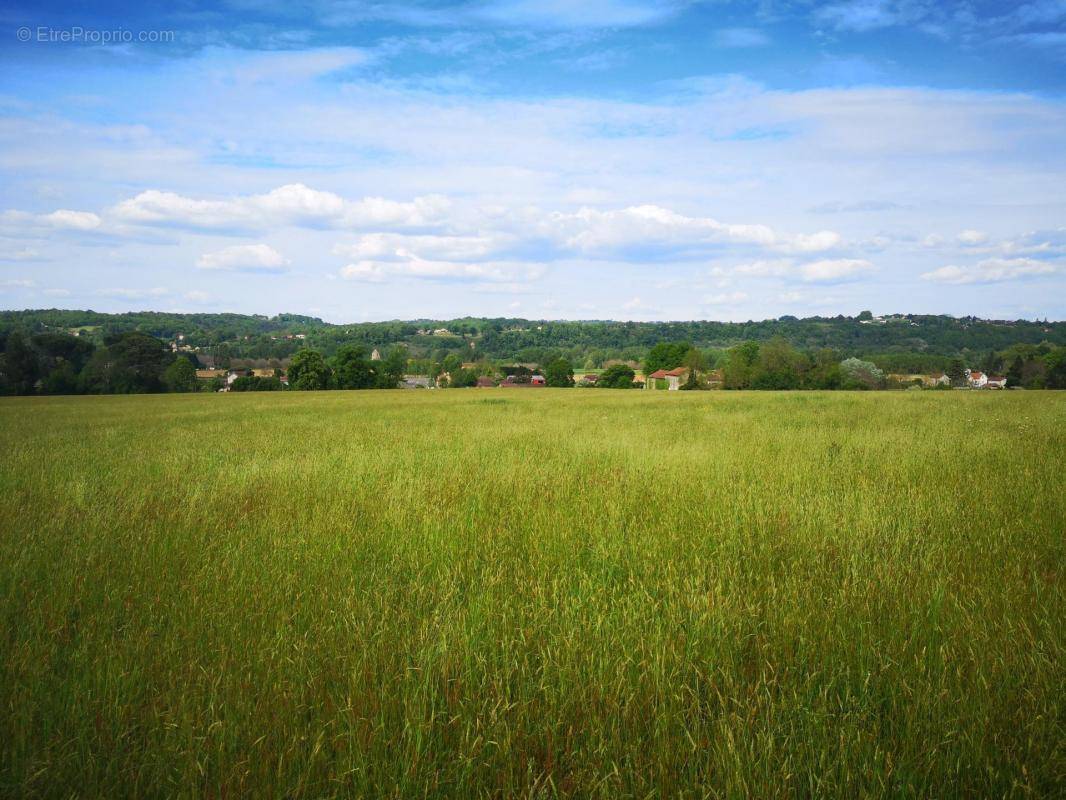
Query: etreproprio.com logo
{"x": 45, "y": 34}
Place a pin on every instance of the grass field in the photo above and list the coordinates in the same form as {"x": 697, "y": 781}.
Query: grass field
{"x": 543, "y": 593}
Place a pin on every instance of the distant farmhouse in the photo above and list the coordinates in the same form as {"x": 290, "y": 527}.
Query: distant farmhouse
{"x": 670, "y": 377}
{"x": 979, "y": 380}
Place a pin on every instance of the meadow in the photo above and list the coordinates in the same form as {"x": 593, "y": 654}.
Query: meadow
{"x": 539, "y": 593}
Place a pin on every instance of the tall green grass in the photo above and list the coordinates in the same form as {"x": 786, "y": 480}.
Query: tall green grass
{"x": 547, "y": 593}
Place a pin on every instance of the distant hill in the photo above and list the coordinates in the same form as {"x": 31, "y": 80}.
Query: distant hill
{"x": 258, "y": 336}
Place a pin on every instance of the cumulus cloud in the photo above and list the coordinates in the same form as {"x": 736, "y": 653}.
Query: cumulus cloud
{"x": 402, "y": 246}
{"x": 568, "y": 14}
{"x": 834, "y": 270}
{"x": 75, "y": 220}
{"x": 992, "y": 270}
{"x": 21, "y": 223}
{"x": 972, "y": 238}
{"x": 724, "y": 298}
{"x": 134, "y": 294}
{"x": 867, "y": 15}
{"x": 425, "y": 269}
{"x": 767, "y": 268}
{"x": 741, "y": 37}
{"x": 20, "y": 254}
{"x": 592, "y": 230}
{"x": 244, "y": 258}
{"x": 293, "y": 204}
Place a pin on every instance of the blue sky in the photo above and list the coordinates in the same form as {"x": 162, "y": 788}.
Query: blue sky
{"x": 611, "y": 159}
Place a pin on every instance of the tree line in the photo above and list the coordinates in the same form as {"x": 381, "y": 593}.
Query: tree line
{"x": 923, "y": 341}
{"x": 134, "y": 362}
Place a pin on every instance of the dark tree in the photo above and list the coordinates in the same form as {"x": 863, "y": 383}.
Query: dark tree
{"x": 308, "y": 371}
{"x": 616, "y": 376}
{"x": 559, "y": 373}
{"x": 180, "y": 376}
{"x": 353, "y": 369}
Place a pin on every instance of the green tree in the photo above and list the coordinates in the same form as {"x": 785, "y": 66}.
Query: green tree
{"x": 616, "y": 376}
{"x": 20, "y": 366}
{"x": 956, "y": 372}
{"x": 63, "y": 379}
{"x": 308, "y": 371}
{"x": 1015, "y": 372}
{"x": 353, "y": 369}
{"x": 666, "y": 355}
{"x": 695, "y": 363}
{"x": 180, "y": 376}
{"x": 452, "y": 363}
{"x": 559, "y": 373}
{"x": 463, "y": 379}
{"x": 858, "y": 374}
{"x": 825, "y": 370}
{"x": 739, "y": 365}
{"x": 1055, "y": 376}
{"x": 778, "y": 366}
{"x": 128, "y": 363}
{"x": 392, "y": 368}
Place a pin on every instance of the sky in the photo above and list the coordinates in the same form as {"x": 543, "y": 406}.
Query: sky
{"x": 608, "y": 159}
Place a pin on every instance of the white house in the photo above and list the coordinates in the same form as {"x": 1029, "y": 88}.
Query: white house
{"x": 977, "y": 380}
{"x": 996, "y": 382}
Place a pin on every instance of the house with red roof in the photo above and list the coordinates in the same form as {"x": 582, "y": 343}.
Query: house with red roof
{"x": 668, "y": 378}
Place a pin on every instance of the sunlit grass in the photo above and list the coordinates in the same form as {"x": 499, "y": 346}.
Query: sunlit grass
{"x": 533, "y": 593}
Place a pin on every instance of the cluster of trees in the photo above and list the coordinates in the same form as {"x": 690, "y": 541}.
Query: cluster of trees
{"x": 899, "y": 343}
{"x": 125, "y": 363}
{"x": 776, "y": 364}
{"x": 351, "y": 367}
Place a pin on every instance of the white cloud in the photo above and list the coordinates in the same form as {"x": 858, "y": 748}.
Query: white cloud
{"x": 18, "y": 283}
{"x": 425, "y": 269}
{"x": 75, "y": 220}
{"x": 972, "y": 238}
{"x": 591, "y": 230}
{"x": 402, "y": 246}
{"x": 992, "y": 270}
{"x": 244, "y": 258}
{"x": 22, "y": 223}
{"x": 741, "y": 37}
{"x": 724, "y": 298}
{"x": 22, "y": 254}
{"x": 288, "y": 66}
{"x": 867, "y": 15}
{"x": 57, "y": 292}
{"x": 767, "y": 268}
{"x": 293, "y": 204}
{"x": 569, "y": 14}
{"x": 134, "y": 294}
{"x": 834, "y": 270}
